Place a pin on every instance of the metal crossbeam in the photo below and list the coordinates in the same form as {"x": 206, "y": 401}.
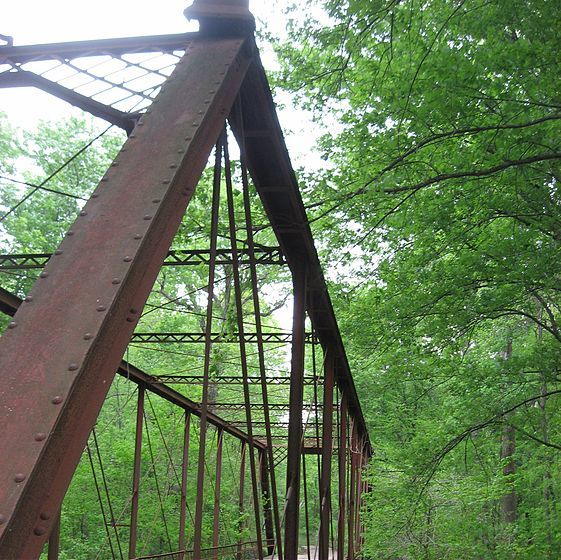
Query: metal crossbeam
{"x": 215, "y": 338}
{"x": 232, "y": 379}
{"x": 176, "y": 257}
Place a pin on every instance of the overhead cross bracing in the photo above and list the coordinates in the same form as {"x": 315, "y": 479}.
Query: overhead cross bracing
{"x": 227, "y": 411}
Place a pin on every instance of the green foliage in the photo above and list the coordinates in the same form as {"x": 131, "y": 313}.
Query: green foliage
{"x": 440, "y": 208}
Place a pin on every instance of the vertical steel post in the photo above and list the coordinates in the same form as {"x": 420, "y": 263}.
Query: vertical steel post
{"x": 243, "y": 354}
{"x": 267, "y": 510}
{"x": 136, "y": 472}
{"x": 306, "y": 510}
{"x": 342, "y": 458}
{"x": 352, "y": 492}
{"x": 54, "y": 540}
{"x": 241, "y": 501}
{"x": 217, "y": 484}
{"x": 199, "y": 501}
{"x": 326, "y": 451}
{"x": 184, "y": 470}
{"x": 295, "y": 416}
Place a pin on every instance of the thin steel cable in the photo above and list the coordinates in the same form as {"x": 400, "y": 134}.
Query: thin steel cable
{"x": 154, "y": 470}
{"x": 108, "y": 497}
{"x": 46, "y": 189}
{"x": 54, "y": 173}
{"x": 100, "y": 504}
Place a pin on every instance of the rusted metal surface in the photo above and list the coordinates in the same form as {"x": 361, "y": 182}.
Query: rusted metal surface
{"x": 79, "y": 49}
{"x": 91, "y": 294}
{"x": 292, "y": 507}
{"x": 22, "y": 78}
{"x": 327, "y": 446}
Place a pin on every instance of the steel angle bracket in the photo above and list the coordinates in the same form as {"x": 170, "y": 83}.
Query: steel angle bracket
{"x": 63, "y": 346}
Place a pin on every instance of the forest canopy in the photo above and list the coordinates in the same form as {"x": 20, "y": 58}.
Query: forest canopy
{"x": 439, "y": 212}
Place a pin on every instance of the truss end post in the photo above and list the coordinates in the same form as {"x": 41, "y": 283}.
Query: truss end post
{"x": 222, "y": 17}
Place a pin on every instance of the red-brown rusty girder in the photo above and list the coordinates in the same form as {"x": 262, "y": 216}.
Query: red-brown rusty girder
{"x": 65, "y": 343}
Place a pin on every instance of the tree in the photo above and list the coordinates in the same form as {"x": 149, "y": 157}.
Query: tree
{"x": 442, "y": 198}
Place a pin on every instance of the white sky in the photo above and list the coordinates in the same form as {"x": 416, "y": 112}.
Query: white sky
{"x": 42, "y": 21}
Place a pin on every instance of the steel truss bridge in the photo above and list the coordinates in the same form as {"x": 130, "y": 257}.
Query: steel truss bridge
{"x": 276, "y": 406}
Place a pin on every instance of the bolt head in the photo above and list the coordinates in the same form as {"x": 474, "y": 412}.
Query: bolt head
{"x": 100, "y": 308}
{"x": 88, "y": 336}
{"x": 147, "y": 217}
{"x": 40, "y": 436}
{"x": 83, "y": 213}
{"x": 70, "y": 233}
{"x": 115, "y": 281}
{"x": 28, "y": 298}
{"x": 39, "y": 531}
{"x": 127, "y": 259}
{"x": 138, "y": 236}
{"x": 59, "y": 252}
{"x": 44, "y": 516}
{"x": 19, "y": 477}
{"x": 12, "y": 325}
{"x": 72, "y": 367}
{"x": 44, "y": 274}
{"x": 56, "y": 400}
{"x": 2, "y": 519}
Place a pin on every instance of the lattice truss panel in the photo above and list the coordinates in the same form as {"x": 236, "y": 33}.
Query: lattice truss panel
{"x": 127, "y": 82}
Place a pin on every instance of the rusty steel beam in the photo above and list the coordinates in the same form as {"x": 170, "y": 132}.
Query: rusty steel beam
{"x": 91, "y": 294}
{"x": 23, "y": 78}
{"x": 114, "y": 47}
{"x": 327, "y": 449}
{"x": 292, "y": 506}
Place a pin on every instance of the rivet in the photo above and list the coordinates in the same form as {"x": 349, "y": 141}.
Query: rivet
{"x": 44, "y": 274}
{"x": 124, "y": 149}
{"x": 212, "y": 91}
{"x": 147, "y": 217}
{"x": 83, "y": 213}
{"x": 195, "y": 124}
{"x": 56, "y": 400}
{"x": 12, "y": 325}
{"x": 44, "y": 516}
{"x": 2, "y": 519}
{"x": 104, "y": 179}
{"x": 201, "y": 112}
{"x": 130, "y": 320}
{"x": 39, "y": 436}
{"x": 115, "y": 281}
{"x": 69, "y": 233}
{"x": 179, "y": 151}
{"x": 127, "y": 259}
{"x": 39, "y": 531}
{"x": 156, "y": 200}
{"x": 28, "y": 298}
{"x": 133, "y": 310}
{"x": 95, "y": 195}
{"x": 206, "y": 101}
{"x": 73, "y": 367}
{"x": 19, "y": 477}
{"x": 59, "y": 252}
{"x": 165, "y": 182}
{"x": 133, "y": 135}
{"x": 114, "y": 164}
{"x": 173, "y": 166}
{"x": 138, "y": 236}
{"x": 88, "y": 336}
{"x": 100, "y": 308}
{"x": 188, "y": 138}
{"x": 139, "y": 123}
